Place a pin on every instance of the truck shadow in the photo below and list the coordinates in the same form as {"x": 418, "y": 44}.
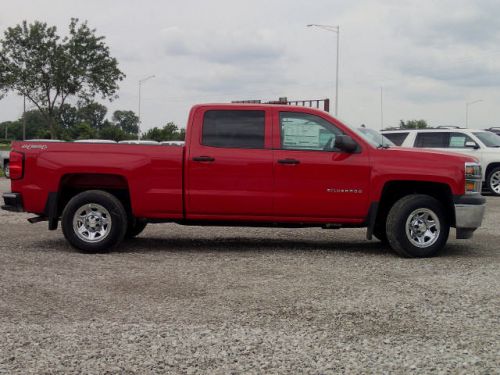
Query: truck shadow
{"x": 242, "y": 244}
{"x": 257, "y": 245}
{"x": 248, "y": 244}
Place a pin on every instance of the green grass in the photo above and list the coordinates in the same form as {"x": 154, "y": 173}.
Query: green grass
{"x": 4, "y": 146}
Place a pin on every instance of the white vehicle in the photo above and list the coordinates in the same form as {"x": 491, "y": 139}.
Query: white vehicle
{"x": 481, "y": 144}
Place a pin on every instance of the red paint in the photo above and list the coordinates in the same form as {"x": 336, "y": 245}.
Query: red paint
{"x": 239, "y": 184}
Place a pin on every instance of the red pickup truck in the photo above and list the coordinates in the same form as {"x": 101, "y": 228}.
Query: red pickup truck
{"x": 250, "y": 165}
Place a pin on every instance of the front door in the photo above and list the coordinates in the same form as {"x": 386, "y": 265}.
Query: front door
{"x": 313, "y": 181}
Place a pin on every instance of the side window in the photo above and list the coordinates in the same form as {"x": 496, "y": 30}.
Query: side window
{"x": 458, "y": 140}
{"x": 234, "y": 129}
{"x": 396, "y": 138}
{"x": 433, "y": 140}
{"x": 302, "y": 131}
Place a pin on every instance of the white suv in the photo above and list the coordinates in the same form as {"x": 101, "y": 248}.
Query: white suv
{"x": 483, "y": 145}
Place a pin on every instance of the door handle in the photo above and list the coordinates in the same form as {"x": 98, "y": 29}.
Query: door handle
{"x": 203, "y": 158}
{"x": 289, "y": 161}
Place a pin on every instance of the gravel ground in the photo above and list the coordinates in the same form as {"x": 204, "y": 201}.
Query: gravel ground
{"x": 239, "y": 300}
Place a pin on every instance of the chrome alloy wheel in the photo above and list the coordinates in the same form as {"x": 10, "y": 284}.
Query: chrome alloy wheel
{"x": 92, "y": 223}
{"x": 495, "y": 182}
{"x": 422, "y": 227}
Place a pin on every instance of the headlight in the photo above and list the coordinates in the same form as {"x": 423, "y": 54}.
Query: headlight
{"x": 473, "y": 178}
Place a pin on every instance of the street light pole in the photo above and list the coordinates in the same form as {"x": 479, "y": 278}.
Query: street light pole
{"x": 335, "y": 29}
{"x": 141, "y": 81}
{"x": 467, "y": 105}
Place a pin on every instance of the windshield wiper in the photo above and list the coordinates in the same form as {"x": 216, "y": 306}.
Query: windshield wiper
{"x": 383, "y": 146}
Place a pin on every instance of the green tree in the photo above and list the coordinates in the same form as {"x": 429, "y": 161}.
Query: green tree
{"x": 68, "y": 119}
{"x": 93, "y": 114}
{"x": 68, "y": 116}
{"x": 128, "y": 121}
{"x": 84, "y": 131}
{"x": 36, "y": 127}
{"x": 153, "y": 134}
{"x": 170, "y": 132}
{"x": 182, "y": 134}
{"x": 413, "y": 124}
{"x": 114, "y": 132}
{"x": 35, "y": 62}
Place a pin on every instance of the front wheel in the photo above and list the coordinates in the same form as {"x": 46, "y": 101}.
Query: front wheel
{"x": 94, "y": 221}
{"x": 493, "y": 181}
{"x": 417, "y": 226}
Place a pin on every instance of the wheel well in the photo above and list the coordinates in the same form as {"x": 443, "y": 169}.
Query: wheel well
{"x": 73, "y": 184}
{"x": 395, "y": 190}
{"x": 489, "y": 168}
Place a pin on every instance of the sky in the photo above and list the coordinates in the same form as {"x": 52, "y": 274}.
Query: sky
{"x": 399, "y": 59}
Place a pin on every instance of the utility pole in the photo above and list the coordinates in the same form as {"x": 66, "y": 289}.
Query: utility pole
{"x": 335, "y": 29}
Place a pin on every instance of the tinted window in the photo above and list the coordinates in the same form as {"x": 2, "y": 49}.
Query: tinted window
{"x": 433, "y": 140}
{"x": 234, "y": 129}
{"x": 302, "y": 131}
{"x": 396, "y": 138}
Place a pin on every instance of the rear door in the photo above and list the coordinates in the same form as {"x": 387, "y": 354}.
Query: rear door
{"x": 229, "y": 164}
{"x": 312, "y": 180}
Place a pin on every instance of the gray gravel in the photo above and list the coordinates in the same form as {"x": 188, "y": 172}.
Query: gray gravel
{"x": 239, "y": 300}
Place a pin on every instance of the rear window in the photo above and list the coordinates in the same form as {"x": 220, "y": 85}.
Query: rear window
{"x": 234, "y": 129}
{"x": 396, "y": 138}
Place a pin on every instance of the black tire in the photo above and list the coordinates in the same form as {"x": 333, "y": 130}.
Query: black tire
{"x": 492, "y": 181}
{"x": 135, "y": 227}
{"x": 6, "y": 170}
{"x": 433, "y": 233}
{"x": 108, "y": 209}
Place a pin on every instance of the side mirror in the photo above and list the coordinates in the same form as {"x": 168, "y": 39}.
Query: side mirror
{"x": 345, "y": 143}
{"x": 471, "y": 144}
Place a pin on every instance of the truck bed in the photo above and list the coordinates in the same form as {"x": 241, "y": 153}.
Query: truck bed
{"x": 152, "y": 173}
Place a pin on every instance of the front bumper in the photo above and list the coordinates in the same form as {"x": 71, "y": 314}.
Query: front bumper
{"x": 13, "y": 202}
{"x": 469, "y": 213}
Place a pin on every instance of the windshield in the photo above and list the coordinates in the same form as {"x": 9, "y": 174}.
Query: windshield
{"x": 488, "y": 138}
{"x": 374, "y": 137}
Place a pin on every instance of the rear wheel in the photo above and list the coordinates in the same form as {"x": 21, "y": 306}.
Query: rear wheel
{"x": 94, "y": 221}
{"x": 417, "y": 226}
{"x": 493, "y": 181}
